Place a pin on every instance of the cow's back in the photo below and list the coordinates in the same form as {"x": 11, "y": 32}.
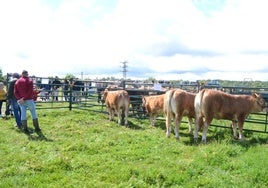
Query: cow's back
{"x": 117, "y": 99}
{"x": 212, "y": 104}
{"x": 220, "y": 105}
{"x": 124, "y": 99}
{"x": 154, "y": 104}
{"x": 180, "y": 102}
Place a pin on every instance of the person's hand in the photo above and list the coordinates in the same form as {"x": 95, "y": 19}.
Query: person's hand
{"x": 21, "y": 101}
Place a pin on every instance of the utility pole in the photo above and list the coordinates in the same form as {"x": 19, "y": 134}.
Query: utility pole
{"x": 124, "y": 66}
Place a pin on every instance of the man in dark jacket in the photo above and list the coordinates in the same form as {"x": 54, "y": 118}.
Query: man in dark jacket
{"x": 56, "y": 84}
{"x": 13, "y": 101}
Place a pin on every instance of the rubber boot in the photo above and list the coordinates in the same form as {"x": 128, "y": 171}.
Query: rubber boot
{"x": 24, "y": 126}
{"x": 36, "y": 125}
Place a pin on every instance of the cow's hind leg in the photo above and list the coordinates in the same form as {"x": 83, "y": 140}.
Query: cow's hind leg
{"x": 190, "y": 123}
{"x": 119, "y": 116}
{"x": 168, "y": 126}
{"x": 111, "y": 114}
{"x": 151, "y": 119}
{"x": 197, "y": 120}
{"x": 126, "y": 116}
{"x": 177, "y": 123}
{"x": 154, "y": 119}
{"x": 234, "y": 126}
{"x": 205, "y": 130}
{"x": 240, "y": 127}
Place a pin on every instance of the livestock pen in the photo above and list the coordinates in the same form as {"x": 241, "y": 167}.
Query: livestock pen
{"x": 86, "y": 95}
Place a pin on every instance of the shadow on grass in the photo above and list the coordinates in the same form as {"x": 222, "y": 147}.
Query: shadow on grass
{"x": 130, "y": 125}
{"x": 226, "y": 135}
{"x": 252, "y": 141}
{"x": 160, "y": 125}
{"x": 134, "y": 126}
{"x": 39, "y": 136}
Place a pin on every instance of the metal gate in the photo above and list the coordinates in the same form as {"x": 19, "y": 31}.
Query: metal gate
{"x": 86, "y": 95}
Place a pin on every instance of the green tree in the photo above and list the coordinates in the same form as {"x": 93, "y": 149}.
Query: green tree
{"x": 150, "y": 80}
{"x": 1, "y": 75}
{"x": 69, "y": 76}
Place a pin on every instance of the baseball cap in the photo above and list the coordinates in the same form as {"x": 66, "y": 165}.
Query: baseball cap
{"x": 15, "y": 75}
{"x": 24, "y": 72}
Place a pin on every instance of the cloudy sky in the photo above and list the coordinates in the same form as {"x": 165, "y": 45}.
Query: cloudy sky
{"x": 164, "y": 39}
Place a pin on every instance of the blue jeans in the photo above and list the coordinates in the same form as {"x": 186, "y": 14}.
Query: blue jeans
{"x": 16, "y": 111}
{"x": 31, "y": 106}
{"x": 1, "y": 104}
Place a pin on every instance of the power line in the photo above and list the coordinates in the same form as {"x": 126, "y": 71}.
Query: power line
{"x": 124, "y": 69}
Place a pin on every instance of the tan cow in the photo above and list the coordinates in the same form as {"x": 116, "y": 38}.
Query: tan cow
{"x": 154, "y": 105}
{"x": 117, "y": 101}
{"x": 178, "y": 103}
{"x": 211, "y": 104}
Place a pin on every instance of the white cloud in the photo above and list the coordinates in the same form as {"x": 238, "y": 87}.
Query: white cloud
{"x": 166, "y": 39}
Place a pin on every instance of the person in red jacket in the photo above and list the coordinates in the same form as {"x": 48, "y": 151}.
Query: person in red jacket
{"x": 36, "y": 92}
{"x": 24, "y": 93}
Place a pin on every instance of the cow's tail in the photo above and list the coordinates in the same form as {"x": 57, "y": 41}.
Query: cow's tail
{"x": 126, "y": 100}
{"x": 125, "y": 106}
{"x": 167, "y": 101}
{"x": 198, "y": 107}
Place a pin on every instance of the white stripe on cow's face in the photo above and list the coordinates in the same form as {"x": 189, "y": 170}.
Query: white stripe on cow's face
{"x": 260, "y": 102}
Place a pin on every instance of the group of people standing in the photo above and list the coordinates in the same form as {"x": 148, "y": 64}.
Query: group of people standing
{"x": 20, "y": 95}
{"x": 23, "y": 91}
{"x": 52, "y": 89}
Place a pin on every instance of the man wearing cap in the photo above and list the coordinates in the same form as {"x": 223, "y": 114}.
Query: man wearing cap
{"x": 23, "y": 91}
{"x": 13, "y": 101}
{"x": 3, "y": 95}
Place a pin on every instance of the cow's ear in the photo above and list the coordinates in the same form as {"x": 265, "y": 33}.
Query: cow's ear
{"x": 255, "y": 95}
{"x": 143, "y": 98}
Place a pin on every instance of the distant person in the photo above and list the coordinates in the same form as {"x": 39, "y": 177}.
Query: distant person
{"x": 66, "y": 86}
{"x": 202, "y": 86}
{"x": 13, "y": 101}
{"x": 36, "y": 93}
{"x": 56, "y": 84}
{"x": 78, "y": 88}
{"x": 3, "y": 96}
{"x": 48, "y": 87}
{"x": 24, "y": 92}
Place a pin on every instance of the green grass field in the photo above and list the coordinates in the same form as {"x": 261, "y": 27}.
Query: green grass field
{"x": 83, "y": 149}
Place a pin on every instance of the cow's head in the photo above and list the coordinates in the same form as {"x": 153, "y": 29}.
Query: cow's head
{"x": 104, "y": 95}
{"x": 143, "y": 101}
{"x": 144, "y": 98}
{"x": 259, "y": 101}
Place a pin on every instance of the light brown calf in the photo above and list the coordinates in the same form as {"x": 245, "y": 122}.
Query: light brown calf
{"x": 117, "y": 101}
{"x": 178, "y": 103}
{"x": 211, "y": 104}
{"x": 154, "y": 105}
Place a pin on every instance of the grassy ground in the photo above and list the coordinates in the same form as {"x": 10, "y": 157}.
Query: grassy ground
{"x": 83, "y": 149}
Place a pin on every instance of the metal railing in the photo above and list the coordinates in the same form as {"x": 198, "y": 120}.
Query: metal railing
{"x": 87, "y": 97}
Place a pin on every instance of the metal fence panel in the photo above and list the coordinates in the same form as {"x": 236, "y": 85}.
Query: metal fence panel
{"x": 87, "y": 95}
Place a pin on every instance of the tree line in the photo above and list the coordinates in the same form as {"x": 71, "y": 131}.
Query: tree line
{"x": 225, "y": 83}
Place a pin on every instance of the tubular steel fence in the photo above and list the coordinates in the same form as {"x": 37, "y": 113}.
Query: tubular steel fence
{"x": 86, "y": 95}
